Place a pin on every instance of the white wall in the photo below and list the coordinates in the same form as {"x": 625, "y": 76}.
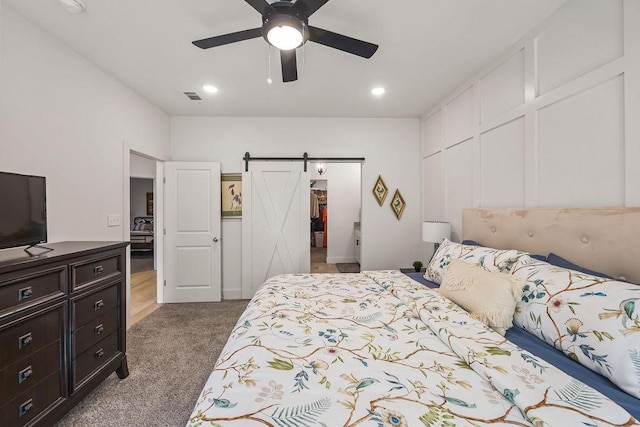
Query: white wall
{"x": 552, "y": 123}
{"x": 391, "y": 148}
{"x": 343, "y": 204}
{"x": 64, "y": 118}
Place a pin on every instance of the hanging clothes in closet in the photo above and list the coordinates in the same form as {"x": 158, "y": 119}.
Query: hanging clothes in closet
{"x": 315, "y": 206}
{"x": 324, "y": 223}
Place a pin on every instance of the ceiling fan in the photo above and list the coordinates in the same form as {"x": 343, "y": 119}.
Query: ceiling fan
{"x": 285, "y": 25}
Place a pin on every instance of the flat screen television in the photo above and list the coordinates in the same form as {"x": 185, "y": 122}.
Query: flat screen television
{"x": 23, "y": 210}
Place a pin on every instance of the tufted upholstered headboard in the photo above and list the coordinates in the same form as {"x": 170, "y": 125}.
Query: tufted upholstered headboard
{"x": 605, "y": 240}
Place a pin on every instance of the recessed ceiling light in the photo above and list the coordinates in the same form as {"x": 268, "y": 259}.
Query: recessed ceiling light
{"x": 73, "y": 6}
{"x": 210, "y": 89}
{"x": 377, "y": 91}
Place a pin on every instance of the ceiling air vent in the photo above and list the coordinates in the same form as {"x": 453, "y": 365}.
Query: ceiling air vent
{"x": 193, "y": 96}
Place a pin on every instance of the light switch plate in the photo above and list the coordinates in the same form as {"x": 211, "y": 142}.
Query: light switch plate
{"x": 113, "y": 220}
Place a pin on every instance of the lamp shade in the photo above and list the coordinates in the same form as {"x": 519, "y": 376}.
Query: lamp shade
{"x": 435, "y": 232}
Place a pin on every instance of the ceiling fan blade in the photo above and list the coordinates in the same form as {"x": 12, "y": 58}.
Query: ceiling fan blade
{"x": 228, "y": 38}
{"x": 306, "y": 7}
{"x": 289, "y": 66}
{"x": 261, "y": 6}
{"x": 343, "y": 43}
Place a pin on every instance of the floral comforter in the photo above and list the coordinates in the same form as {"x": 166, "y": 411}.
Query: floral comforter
{"x": 379, "y": 349}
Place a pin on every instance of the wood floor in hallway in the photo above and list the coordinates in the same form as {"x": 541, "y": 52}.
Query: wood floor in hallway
{"x": 319, "y": 261}
{"x": 143, "y": 295}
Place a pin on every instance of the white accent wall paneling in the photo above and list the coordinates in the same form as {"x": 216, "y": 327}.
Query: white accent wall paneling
{"x": 591, "y": 36}
{"x": 432, "y": 206}
{"x": 458, "y": 184}
{"x": 459, "y": 118}
{"x": 432, "y": 134}
{"x": 503, "y": 88}
{"x": 502, "y": 183}
{"x": 581, "y": 146}
{"x": 632, "y": 102}
{"x": 575, "y": 138}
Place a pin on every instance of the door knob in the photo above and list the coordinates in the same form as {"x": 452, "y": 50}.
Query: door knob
{"x": 215, "y": 239}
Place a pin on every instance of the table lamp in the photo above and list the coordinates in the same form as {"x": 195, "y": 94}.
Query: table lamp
{"x": 435, "y": 232}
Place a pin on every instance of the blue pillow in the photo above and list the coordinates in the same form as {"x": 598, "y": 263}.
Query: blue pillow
{"x": 558, "y": 261}
{"x": 474, "y": 243}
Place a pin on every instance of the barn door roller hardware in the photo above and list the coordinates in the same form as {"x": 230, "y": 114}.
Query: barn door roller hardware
{"x": 305, "y": 158}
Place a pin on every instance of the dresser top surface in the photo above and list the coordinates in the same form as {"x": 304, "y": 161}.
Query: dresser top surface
{"x": 18, "y": 258}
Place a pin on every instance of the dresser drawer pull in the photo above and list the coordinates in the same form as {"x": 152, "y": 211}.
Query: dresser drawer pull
{"x": 24, "y": 340}
{"x": 24, "y": 374}
{"x": 24, "y": 293}
{"x": 99, "y": 354}
{"x": 98, "y": 270}
{"x": 98, "y": 329}
{"x": 26, "y": 407}
{"x": 98, "y": 305}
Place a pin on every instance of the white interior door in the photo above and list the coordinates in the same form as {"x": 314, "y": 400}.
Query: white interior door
{"x": 192, "y": 224}
{"x": 275, "y": 223}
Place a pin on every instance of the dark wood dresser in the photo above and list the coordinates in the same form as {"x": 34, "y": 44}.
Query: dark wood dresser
{"x": 62, "y": 327}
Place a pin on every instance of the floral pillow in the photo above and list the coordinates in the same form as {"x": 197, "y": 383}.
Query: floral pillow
{"x": 593, "y": 320}
{"x": 494, "y": 260}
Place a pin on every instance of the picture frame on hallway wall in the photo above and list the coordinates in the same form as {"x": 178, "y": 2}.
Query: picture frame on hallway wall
{"x": 398, "y": 204}
{"x": 150, "y": 204}
{"x": 380, "y": 190}
{"x": 231, "y": 194}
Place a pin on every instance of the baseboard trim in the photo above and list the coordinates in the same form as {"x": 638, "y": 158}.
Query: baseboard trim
{"x": 341, "y": 260}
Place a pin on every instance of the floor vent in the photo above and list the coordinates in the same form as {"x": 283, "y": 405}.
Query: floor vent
{"x": 193, "y": 96}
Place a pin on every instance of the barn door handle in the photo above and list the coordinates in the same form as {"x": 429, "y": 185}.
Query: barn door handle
{"x": 215, "y": 239}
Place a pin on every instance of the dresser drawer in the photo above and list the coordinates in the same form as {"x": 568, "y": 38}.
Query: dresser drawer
{"x": 87, "y": 308}
{"x": 28, "y": 289}
{"x": 93, "y": 358}
{"x": 29, "y": 371}
{"x": 22, "y": 409}
{"x": 29, "y": 336}
{"x": 88, "y": 272}
{"x": 94, "y": 331}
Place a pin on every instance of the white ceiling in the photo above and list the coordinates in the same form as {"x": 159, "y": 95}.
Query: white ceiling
{"x": 427, "y": 49}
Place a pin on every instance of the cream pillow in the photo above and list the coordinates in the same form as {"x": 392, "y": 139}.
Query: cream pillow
{"x": 489, "y": 297}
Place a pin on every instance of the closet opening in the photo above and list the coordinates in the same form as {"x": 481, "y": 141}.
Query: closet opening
{"x": 335, "y": 198}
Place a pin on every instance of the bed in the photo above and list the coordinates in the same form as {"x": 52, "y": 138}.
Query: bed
{"x": 141, "y": 234}
{"x": 382, "y": 348}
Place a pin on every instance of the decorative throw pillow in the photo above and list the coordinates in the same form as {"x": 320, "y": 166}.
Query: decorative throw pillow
{"x": 494, "y": 260}
{"x": 488, "y": 297}
{"x": 593, "y": 320}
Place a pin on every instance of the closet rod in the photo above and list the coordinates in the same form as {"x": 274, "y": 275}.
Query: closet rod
{"x": 305, "y": 158}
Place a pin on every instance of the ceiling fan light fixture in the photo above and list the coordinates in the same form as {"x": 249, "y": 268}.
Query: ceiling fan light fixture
{"x": 284, "y": 32}
{"x": 285, "y": 37}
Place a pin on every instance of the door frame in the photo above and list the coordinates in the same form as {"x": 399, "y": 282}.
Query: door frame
{"x": 158, "y": 248}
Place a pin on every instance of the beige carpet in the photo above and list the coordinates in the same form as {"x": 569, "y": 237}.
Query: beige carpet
{"x": 171, "y": 353}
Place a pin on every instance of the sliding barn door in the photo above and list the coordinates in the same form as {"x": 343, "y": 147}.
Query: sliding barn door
{"x": 192, "y": 224}
{"x": 275, "y": 223}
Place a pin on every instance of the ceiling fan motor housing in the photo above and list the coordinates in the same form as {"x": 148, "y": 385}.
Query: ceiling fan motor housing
{"x": 284, "y": 19}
